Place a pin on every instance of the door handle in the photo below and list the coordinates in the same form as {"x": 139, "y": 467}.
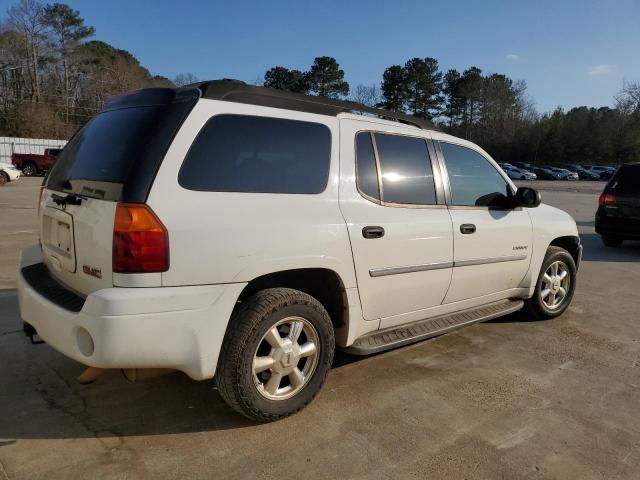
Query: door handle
{"x": 372, "y": 232}
{"x": 467, "y": 228}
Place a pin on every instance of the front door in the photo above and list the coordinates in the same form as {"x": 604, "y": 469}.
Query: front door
{"x": 492, "y": 243}
{"x": 399, "y": 227}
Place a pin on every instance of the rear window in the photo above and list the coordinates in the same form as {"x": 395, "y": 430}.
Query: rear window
{"x": 116, "y": 155}
{"x": 627, "y": 179}
{"x": 104, "y": 152}
{"x": 241, "y": 153}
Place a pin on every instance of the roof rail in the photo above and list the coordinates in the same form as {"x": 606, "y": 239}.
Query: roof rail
{"x": 237, "y": 91}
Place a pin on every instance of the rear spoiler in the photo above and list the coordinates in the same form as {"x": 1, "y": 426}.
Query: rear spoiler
{"x": 152, "y": 97}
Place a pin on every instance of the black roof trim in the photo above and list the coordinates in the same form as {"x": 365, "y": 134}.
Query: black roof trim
{"x": 237, "y": 91}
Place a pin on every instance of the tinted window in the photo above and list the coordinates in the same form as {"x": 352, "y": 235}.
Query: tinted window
{"x": 627, "y": 179}
{"x": 474, "y": 181}
{"x": 406, "y": 170}
{"x": 237, "y": 153}
{"x": 99, "y": 158}
{"x": 366, "y": 166}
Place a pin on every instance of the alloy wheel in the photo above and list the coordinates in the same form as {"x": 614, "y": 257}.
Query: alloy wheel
{"x": 555, "y": 285}
{"x": 286, "y": 358}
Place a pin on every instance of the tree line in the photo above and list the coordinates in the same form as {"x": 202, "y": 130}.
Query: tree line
{"x": 490, "y": 109}
{"x": 54, "y": 76}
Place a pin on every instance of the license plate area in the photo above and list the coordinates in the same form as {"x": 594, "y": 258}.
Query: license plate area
{"x": 58, "y": 240}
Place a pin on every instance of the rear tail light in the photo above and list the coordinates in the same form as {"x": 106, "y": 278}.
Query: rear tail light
{"x": 140, "y": 240}
{"x": 608, "y": 200}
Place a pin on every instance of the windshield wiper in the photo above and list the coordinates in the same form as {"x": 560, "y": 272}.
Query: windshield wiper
{"x": 70, "y": 199}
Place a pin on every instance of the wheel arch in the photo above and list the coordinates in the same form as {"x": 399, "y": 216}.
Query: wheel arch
{"x": 571, "y": 243}
{"x": 324, "y": 284}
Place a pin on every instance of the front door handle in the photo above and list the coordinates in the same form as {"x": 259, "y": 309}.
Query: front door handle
{"x": 372, "y": 232}
{"x": 467, "y": 228}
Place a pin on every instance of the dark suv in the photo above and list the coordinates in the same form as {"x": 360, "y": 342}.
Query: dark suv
{"x": 618, "y": 215}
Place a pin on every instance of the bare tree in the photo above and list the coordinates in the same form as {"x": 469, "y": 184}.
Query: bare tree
{"x": 366, "y": 95}
{"x": 628, "y": 99}
{"x": 27, "y": 17}
{"x": 183, "y": 79}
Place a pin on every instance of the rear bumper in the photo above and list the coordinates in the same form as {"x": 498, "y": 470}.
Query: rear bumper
{"x": 616, "y": 225}
{"x": 166, "y": 327}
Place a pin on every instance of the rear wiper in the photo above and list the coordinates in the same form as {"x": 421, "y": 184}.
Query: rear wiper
{"x": 70, "y": 199}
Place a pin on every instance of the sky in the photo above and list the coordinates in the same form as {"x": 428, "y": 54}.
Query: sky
{"x": 570, "y": 52}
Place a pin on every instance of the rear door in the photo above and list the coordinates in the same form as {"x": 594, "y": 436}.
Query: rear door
{"x": 399, "y": 227}
{"x": 112, "y": 159}
{"x": 492, "y": 243}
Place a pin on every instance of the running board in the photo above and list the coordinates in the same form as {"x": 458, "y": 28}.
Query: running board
{"x": 393, "y": 337}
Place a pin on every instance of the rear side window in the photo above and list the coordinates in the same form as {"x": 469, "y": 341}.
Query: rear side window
{"x": 474, "y": 181}
{"x": 407, "y": 176}
{"x": 627, "y": 179}
{"x": 240, "y": 153}
{"x": 367, "y": 173}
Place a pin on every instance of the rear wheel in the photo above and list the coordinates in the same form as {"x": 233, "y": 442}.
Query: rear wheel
{"x": 4, "y": 178}
{"x": 276, "y": 354}
{"x": 556, "y": 285}
{"x": 611, "y": 241}
{"x": 29, "y": 170}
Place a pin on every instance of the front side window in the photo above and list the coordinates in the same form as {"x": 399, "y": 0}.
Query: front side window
{"x": 474, "y": 181}
{"x": 407, "y": 176}
{"x": 241, "y": 153}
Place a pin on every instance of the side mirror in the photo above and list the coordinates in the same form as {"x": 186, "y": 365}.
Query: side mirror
{"x": 527, "y": 197}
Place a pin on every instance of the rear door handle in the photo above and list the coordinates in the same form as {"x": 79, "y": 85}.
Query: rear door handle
{"x": 467, "y": 228}
{"x": 372, "y": 232}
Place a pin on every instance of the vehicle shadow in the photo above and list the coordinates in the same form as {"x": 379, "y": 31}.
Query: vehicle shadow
{"x": 595, "y": 251}
{"x": 41, "y": 398}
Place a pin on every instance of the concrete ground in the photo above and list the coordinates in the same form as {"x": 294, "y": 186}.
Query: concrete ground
{"x": 509, "y": 399}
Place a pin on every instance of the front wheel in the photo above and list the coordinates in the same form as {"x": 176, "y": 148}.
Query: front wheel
{"x": 4, "y": 178}
{"x": 276, "y": 354}
{"x": 556, "y": 285}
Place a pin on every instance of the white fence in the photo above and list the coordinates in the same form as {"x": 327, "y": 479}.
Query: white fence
{"x": 11, "y": 145}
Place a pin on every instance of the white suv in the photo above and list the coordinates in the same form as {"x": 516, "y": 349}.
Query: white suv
{"x": 231, "y": 230}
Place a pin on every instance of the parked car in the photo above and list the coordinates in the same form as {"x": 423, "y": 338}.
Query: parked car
{"x": 605, "y": 173}
{"x": 8, "y": 173}
{"x": 505, "y": 165}
{"x": 523, "y": 165}
{"x": 258, "y": 230}
{"x": 518, "y": 174}
{"x": 33, "y": 164}
{"x": 546, "y": 174}
{"x": 618, "y": 214}
{"x": 583, "y": 173}
{"x": 566, "y": 174}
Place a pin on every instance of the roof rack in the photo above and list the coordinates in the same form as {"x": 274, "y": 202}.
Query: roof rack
{"x": 237, "y": 91}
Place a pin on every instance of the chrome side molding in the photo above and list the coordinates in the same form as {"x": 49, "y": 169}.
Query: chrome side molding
{"x": 381, "y": 272}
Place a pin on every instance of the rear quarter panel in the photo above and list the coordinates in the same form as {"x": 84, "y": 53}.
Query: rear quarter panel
{"x": 218, "y": 237}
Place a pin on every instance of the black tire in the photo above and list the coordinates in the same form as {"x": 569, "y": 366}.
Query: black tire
{"x": 611, "y": 241}
{"x": 248, "y": 325}
{"x": 4, "y": 178}
{"x": 29, "y": 170}
{"x": 536, "y": 305}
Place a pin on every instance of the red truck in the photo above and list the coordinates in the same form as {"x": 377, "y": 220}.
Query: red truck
{"x": 33, "y": 164}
